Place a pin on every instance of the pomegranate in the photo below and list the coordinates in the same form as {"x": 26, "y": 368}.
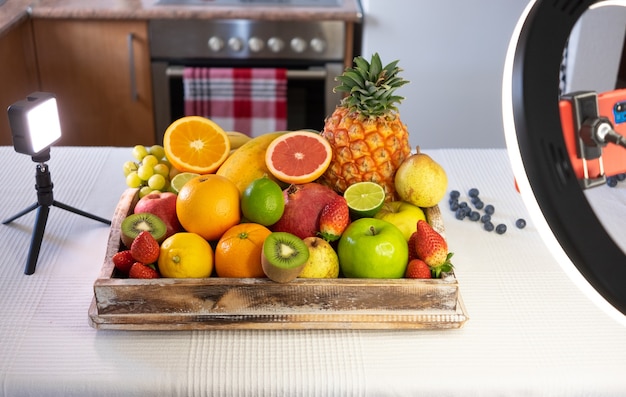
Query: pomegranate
{"x": 303, "y": 205}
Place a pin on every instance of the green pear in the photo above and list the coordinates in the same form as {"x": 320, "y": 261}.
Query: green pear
{"x": 421, "y": 181}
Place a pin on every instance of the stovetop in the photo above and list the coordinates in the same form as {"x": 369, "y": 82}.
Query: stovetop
{"x": 293, "y": 3}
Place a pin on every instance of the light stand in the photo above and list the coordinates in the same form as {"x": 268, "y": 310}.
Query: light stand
{"x": 23, "y": 136}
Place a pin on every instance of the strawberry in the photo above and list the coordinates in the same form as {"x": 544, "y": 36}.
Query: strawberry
{"x": 139, "y": 270}
{"x": 123, "y": 260}
{"x": 145, "y": 248}
{"x": 412, "y": 241}
{"x": 334, "y": 219}
{"x": 432, "y": 248}
{"x": 417, "y": 268}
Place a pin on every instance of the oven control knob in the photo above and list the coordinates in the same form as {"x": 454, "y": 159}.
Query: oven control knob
{"x": 216, "y": 44}
{"x": 255, "y": 44}
{"x": 235, "y": 44}
{"x": 318, "y": 45}
{"x": 298, "y": 44}
{"x": 275, "y": 44}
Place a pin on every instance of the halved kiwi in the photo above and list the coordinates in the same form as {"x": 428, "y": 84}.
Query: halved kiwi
{"x": 283, "y": 256}
{"x": 134, "y": 224}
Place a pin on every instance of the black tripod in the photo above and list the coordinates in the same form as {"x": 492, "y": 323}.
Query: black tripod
{"x": 44, "y": 201}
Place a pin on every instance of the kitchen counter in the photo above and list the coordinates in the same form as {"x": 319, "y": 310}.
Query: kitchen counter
{"x": 530, "y": 331}
{"x": 15, "y": 10}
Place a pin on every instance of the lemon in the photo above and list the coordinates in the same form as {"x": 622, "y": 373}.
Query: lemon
{"x": 179, "y": 180}
{"x": 263, "y": 202}
{"x": 185, "y": 255}
{"x": 364, "y": 199}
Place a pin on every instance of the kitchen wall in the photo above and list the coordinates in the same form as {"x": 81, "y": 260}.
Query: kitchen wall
{"x": 453, "y": 53}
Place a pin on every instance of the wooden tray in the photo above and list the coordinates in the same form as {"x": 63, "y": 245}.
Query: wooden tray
{"x": 223, "y": 303}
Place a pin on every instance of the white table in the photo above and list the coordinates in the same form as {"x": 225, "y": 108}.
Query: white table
{"x": 530, "y": 332}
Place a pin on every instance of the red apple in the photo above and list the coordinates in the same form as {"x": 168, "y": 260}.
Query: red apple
{"x": 162, "y": 205}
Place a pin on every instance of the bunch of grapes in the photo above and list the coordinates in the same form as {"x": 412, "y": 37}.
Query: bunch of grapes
{"x": 150, "y": 171}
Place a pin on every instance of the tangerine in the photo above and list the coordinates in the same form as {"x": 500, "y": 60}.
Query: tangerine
{"x": 238, "y": 252}
{"x": 196, "y": 144}
{"x": 298, "y": 157}
{"x": 208, "y": 205}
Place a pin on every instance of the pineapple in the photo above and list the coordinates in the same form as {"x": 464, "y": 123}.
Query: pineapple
{"x": 368, "y": 139}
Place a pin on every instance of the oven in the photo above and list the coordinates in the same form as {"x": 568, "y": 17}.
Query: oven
{"x": 312, "y": 52}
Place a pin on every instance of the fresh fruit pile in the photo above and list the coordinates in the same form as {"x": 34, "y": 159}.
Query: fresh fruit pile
{"x": 348, "y": 201}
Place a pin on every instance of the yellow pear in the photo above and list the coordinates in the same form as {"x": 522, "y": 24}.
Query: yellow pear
{"x": 421, "y": 181}
{"x": 323, "y": 261}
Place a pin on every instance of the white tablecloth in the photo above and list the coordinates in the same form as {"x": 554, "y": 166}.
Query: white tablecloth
{"x": 530, "y": 332}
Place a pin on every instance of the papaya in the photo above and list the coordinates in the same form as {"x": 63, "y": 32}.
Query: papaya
{"x": 247, "y": 163}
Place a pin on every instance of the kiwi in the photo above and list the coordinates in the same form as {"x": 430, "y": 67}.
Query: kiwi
{"x": 283, "y": 256}
{"x": 133, "y": 224}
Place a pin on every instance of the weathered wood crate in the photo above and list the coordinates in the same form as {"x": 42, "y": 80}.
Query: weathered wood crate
{"x": 222, "y": 303}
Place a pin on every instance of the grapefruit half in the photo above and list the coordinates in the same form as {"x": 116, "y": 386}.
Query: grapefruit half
{"x": 298, "y": 157}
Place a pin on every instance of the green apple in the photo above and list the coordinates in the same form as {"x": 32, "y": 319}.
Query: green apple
{"x": 323, "y": 261}
{"x": 402, "y": 214}
{"x": 372, "y": 248}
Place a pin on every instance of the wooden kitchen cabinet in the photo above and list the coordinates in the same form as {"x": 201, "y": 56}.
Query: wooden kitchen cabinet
{"x": 99, "y": 71}
{"x": 18, "y": 72}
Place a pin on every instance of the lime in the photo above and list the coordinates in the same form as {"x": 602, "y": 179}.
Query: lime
{"x": 179, "y": 180}
{"x": 263, "y": 202}
{"x": 364, "y": 199}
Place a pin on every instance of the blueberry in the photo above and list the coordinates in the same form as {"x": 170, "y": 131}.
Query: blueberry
{"x": 463, "y": 204}
{"x": 485, "y": 218}
{"x": 454, "y": 205}
{"x": 489, "y": 209}
{"x": 474, "y": 216}
{"x": 621, "y": 176}
{"x": 611, "y": 181}
{"x": 454, "y": 194}
{"x": 488, "y": 226}
{"x": 473, "y": 192}
{"x": 501, "y": 228}
{"x": 520, "y": 223}
{"x": 459, "y": 214}
{"x": 479, "y": 205}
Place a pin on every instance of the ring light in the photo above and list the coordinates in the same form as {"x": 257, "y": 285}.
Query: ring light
{"x": 539, "y": 158}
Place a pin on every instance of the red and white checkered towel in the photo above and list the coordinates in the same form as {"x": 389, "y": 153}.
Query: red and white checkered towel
{"x": 248, "y": 100}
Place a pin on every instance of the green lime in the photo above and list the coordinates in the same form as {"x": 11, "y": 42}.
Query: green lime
{"x": 263, "y": 202}
{"x": 180, "y": 179}
{"x": 364, "y": 199}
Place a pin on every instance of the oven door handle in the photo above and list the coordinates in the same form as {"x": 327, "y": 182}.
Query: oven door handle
{"x": 292, "y": 74}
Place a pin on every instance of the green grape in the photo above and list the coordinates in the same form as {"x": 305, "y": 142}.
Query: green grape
{"x": 145, "y": 172}
{"x": 165, "y": 161}
{"x": 162, "y": 169}
{"x": 133, "y": 180}
{"x": 139, "y": 152}
{"x": 157, "y": 151}
{"x": 157, "y": 182}
{"x": 128, "y": 167}
{"x": 150, "y": 160}
{"x": 144, "y": 191}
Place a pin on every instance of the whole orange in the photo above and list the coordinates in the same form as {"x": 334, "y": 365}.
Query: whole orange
{"x": 238, "y": 252}
{"x": 208, "y": 205}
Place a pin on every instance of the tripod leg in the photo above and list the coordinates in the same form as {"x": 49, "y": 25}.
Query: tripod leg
{"x": 21, "y": 213}
{"x": 80, "y": 212}
{"x": 35, "y": 243}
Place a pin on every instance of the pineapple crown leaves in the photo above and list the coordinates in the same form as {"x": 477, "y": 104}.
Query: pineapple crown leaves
{"x": 370, "y": 86}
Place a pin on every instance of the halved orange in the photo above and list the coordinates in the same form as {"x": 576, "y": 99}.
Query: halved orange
{"x": 298, "y": 157}
{"x": 196, "y": 144}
